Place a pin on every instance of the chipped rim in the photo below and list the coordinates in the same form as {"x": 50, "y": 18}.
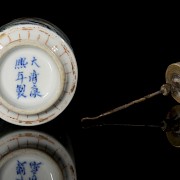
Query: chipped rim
{"x": 66, "y": 57}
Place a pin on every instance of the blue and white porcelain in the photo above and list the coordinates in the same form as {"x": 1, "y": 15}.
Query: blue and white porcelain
{"x": 38, "y": 72}
{"x": 33, "y": 155}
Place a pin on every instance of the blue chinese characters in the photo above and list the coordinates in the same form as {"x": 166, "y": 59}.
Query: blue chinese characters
{"x": 34, "y": 169}
{"x": 22, "y": 64}
{"x": 22, "y": 168}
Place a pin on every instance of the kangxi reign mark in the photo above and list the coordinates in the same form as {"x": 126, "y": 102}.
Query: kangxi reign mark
{"x": 23, "y": 81}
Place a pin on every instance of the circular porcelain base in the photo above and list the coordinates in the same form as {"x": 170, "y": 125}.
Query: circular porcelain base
{"x": 34, "y": 79}
{"x": 27, "y": 153}
{"x": 30, "y": 98}
{"x": 29, "y": 164}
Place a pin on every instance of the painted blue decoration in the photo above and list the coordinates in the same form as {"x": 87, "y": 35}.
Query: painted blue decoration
{"x": 34, "y": 177}
{"x": 34, "y": 169}
{"x": 20, "y": 89}
{"x": 21, "y": 63}
{"x": 34, "y": 62}
{"x": 33, "y": 77}
{"x": 20, "y": 169}
{"x": 32, "y": 91}
{"x": 20, "y": 77}
{"x": 35, "y": 92}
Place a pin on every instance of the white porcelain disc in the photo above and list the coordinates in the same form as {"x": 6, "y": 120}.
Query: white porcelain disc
{"x": 34, "y": 80}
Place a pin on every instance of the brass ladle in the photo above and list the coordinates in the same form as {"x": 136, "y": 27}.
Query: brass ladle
{"x": 171, "y": 125}
{"x": 172, "y": 86}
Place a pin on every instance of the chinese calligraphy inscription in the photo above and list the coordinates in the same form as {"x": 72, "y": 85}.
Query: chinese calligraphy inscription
{"x": 22, "y": 168}
{"x": 21, "y": 65}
